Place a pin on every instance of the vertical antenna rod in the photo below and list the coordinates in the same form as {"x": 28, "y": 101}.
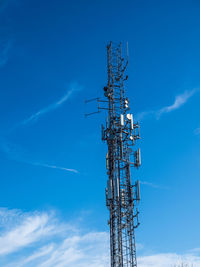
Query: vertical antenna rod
{"x": 120, "y": 134}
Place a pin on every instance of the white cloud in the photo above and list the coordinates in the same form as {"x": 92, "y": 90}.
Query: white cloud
{"x": 169, "y": 260}
{"x": 28, "y": 232}
{"x": 51, "y": 243}
{"x": 19, "y": 230}
{"x": 53, "y": 167}
{"x": 153, "y": 185}
{"x": 16, "y": 153}
{"x": 179, "y": 101}
{"x": 34, "y": 117}
{"x": 54, "y": 243}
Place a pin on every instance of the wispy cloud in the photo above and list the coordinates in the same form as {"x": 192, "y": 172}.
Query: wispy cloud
{"x": 153, "y": 185}
{"x": 170, "y": 259}
{"x": 53, "y": 167}
{"x": 29, "y": 231}
{"x": 35, "y": 116}
{"x": 40, "y": 239}
{"x": 197, "y": 131}
{"x": 51, "y": 243}
{"x": 16, "y": 153}
{"x": 5, "y": 46}
{"x": 179, "y": 101}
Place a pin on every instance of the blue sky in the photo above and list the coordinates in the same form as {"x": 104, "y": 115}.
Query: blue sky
{"x": 53, "y": 177}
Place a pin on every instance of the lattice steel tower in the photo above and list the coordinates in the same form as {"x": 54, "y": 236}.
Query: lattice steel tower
{"x": 120, "y": 134}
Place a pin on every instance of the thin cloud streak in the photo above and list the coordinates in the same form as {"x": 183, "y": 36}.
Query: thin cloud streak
{"x": 197, "y": 131}
{"x": 153, "y": 185}
{"x": 53, "y": 167}
{"x": 34, "y": 117}
{"x": 5, "y": 46}
{"x": 179, "y": 101}
{"x": 15, "y": 153}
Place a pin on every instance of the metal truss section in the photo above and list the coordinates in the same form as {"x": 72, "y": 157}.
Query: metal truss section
{"x": 120, "y": 134}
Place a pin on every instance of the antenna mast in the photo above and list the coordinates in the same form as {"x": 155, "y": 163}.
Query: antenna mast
{"x": 120, "y": 134}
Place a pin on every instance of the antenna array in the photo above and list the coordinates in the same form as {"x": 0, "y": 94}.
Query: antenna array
{"x": 120, "y": 134}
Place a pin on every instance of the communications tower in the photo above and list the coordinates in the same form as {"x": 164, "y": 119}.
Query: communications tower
{"x": 120, "y": 134}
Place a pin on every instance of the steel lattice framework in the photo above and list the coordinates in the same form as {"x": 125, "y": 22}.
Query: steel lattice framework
{"x": 120, "y": 134}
